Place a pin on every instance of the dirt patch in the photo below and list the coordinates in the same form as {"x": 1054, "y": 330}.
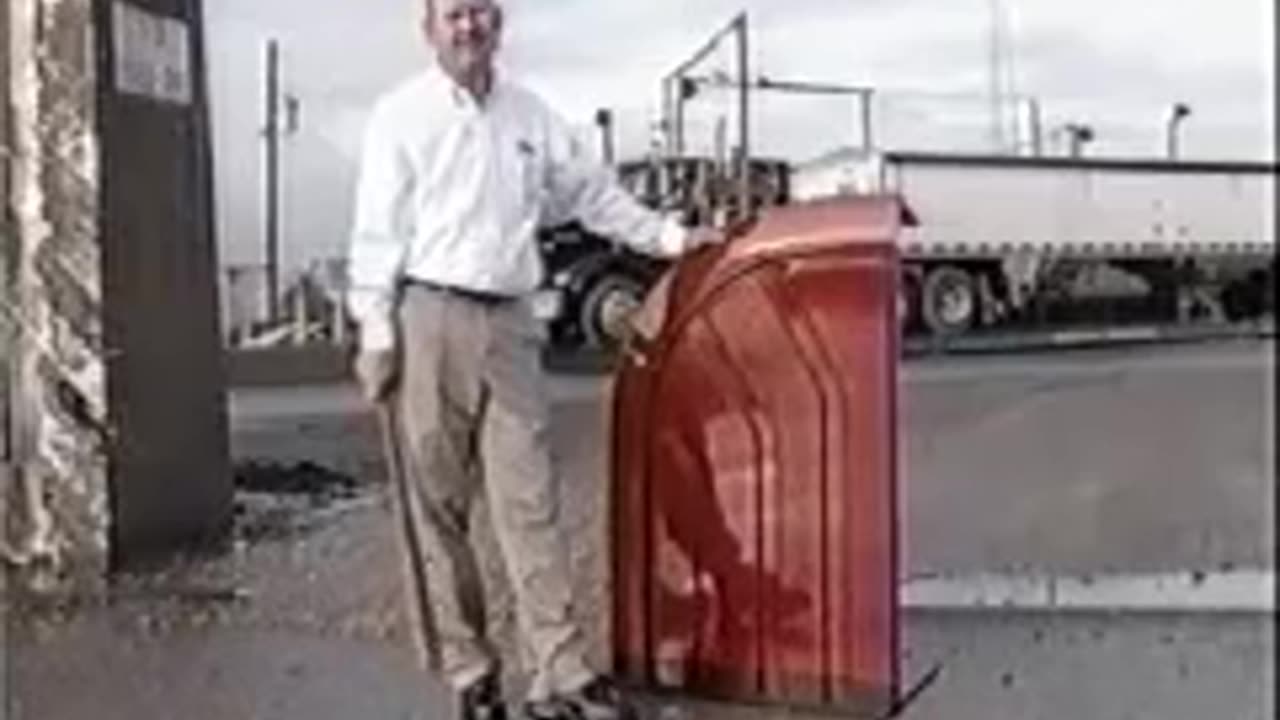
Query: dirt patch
{"x": 275, "y": 500}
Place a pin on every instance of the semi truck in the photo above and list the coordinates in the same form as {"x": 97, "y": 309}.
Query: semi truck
{"x": 600, "y": 282}
{"x": 1002, "y": 242}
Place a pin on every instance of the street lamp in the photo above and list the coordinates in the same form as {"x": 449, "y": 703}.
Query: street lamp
{"x": 604, "y": 123}
{"x": 1180, "y": 112}
{"x": 1077, "y": 136}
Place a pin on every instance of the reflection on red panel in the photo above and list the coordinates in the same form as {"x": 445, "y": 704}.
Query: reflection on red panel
{"x": 754, "y": 468}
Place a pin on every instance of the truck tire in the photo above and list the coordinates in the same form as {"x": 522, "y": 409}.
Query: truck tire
{"x": 949, "y": 301}
{"x": 1249, "y": 298}
{"x": 609, "y": 300}
{"x": 1269, "y": 292}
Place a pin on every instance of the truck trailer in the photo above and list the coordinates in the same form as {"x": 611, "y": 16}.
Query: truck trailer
{"x": 1002, "y": 242}
{"x": 1007, "y": 239}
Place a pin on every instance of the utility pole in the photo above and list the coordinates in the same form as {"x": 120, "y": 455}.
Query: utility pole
{"x": 995, "y": 76}
{"x": 744, "y": 118}
{"x": 271, "y": 185}
{"x": 1034, "y": 119}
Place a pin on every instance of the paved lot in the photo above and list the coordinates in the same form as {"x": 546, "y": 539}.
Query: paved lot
{"x": 1100, "y": 463}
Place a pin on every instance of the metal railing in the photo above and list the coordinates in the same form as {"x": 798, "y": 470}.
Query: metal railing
{"x": 311, "y": 308}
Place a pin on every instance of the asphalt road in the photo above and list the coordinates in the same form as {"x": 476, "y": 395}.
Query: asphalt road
{"x": 1112, "y": 464}
{"x": 1141, "y": 460}
{"x": 1094, "y": 462}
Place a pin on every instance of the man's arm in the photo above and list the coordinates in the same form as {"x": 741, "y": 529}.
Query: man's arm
{"x": 582, "y": 189}
{"x": 380, "y": 236}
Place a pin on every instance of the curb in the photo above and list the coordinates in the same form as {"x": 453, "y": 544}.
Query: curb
{"x": 1234, "y": 591}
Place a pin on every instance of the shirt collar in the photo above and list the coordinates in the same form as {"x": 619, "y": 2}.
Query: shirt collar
{"x": 460, "y": 97}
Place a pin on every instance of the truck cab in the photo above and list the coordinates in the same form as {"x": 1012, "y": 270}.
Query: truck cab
{"x": 600, "y": 282}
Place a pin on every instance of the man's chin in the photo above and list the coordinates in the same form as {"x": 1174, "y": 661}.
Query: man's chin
{"x": 475, "y": 52}
{"x": 468, "y": 63}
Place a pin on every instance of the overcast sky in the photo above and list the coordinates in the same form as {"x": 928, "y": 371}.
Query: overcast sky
{"x": 1116, "y": 64}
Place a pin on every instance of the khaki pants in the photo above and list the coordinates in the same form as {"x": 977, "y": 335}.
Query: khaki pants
{"x": 474, "y": 417}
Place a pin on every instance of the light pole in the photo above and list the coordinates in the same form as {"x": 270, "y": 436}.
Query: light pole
{"x": 1179, "y": 113}
{"x": 604, "y": 123}
{"x": 1078, "y": 135}
{"x": 271, "y": 186}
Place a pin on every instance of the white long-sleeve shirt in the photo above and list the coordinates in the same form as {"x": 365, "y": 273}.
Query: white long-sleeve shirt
{"x": 453, "y": 192}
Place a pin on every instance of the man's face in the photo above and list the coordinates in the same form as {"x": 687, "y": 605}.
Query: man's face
{"x": 465, "y": 33}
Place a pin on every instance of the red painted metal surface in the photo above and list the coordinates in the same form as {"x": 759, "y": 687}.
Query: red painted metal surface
{"x": 754, "y": 467}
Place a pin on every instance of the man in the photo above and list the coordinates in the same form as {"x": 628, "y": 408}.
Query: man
{"x": 461, "y": 166}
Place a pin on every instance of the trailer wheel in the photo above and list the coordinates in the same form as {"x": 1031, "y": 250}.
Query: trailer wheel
{"x": 1249, "y": 298}
{"x": 1269, "y": 291}
{"x": 612, "y": 298}
{"x": 949, "y": 301}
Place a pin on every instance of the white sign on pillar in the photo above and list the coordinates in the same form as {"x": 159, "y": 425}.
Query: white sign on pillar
{"x": 152, "y": 55}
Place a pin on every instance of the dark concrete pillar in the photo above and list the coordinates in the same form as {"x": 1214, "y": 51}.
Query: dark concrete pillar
{"x": 170, "y": 478}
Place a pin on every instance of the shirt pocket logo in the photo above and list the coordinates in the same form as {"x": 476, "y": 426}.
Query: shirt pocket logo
{"x": 529, "y": 177}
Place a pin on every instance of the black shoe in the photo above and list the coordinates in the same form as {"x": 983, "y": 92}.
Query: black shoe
{"x": 482, "y": 700}
{"x": 599, "y": 699}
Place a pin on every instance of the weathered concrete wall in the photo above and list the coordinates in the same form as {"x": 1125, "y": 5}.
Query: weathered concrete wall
{"x": 60, "y": 510}
{"x": 7, "y": 243}
{"x": 8, "y": 238}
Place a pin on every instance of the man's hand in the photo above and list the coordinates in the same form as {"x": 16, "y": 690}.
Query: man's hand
{"x": 377, "y": 372}
{"x": 701, "y": 236}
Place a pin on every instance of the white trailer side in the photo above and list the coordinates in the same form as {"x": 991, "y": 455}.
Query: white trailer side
{"x": 993, "y": 229}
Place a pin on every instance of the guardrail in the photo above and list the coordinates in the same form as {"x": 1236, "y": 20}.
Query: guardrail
{"x": 311, "y": 306}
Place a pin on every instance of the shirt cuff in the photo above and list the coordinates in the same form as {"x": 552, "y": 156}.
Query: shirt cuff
{"x": 376, "y": 335}
{"x": 673, "y": 237}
